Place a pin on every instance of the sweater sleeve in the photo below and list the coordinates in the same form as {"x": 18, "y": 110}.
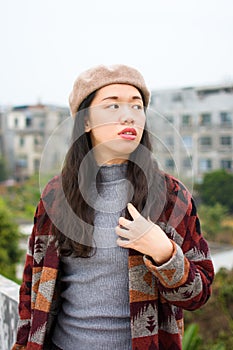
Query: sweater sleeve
{"x": 185, "y": 280}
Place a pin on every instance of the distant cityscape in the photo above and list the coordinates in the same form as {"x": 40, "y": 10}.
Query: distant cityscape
{"x": 24, "y": 133}
{"x": 192, "y": 133}
{"x": 194, "y": 130}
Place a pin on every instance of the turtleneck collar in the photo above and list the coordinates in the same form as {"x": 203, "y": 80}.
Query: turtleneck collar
{"x": 113, "y": 172}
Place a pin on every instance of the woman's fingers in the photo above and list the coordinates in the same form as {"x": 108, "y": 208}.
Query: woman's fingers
{"x": 124, "y": 222}
{"x": 134, "y": 214}
{"x": 123, "y": 243}
{"x": 133, "y": 211}
{"x": 123, "y": 234}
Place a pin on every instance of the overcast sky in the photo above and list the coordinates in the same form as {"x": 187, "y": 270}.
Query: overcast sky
{"x": 45, "y": 44}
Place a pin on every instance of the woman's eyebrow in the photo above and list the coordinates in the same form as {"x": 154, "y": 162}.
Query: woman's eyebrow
{"x": 137, "y": 98}
{"x": 110, "y": 98}
{"x": 117, "y": 97}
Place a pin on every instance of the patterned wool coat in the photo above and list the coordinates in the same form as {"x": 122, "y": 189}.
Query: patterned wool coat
{"x": 158, "y": 294}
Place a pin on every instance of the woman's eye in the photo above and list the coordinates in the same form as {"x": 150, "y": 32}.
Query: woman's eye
{"x": 113, "y": 106}
{"x": 137, "y": 107}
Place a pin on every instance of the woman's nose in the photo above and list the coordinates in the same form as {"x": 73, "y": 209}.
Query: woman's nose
{"x": 127, "y": 117}
{"x": 127, "y": 120}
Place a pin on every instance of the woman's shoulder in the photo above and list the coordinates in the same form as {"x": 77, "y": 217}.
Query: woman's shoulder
{"x": 49, "y": 194}
{"x": 177, "y": 193}
{"x": 48, "y": 202}
{"x": 175, "y": 185}
{"x": 52, "y": 185}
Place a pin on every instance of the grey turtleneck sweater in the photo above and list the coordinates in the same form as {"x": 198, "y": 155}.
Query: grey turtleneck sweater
{"x": 95, "y": 309}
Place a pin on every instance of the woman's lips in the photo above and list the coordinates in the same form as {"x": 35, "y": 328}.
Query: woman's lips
{"x": 128, "y": 134}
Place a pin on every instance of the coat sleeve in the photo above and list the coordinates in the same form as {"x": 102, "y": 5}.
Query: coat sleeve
{"x": 24, "y": 307}
{"x": 185, "y": 280}
{"x": 27, "y": 293}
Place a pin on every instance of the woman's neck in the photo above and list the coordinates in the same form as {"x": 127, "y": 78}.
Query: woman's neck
{"x": 112, "y": 161}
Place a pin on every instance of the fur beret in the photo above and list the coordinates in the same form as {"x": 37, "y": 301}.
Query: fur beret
{"x": 100, "y": 76}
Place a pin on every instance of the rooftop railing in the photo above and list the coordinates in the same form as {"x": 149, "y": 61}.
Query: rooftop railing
{"x": 9, "y": 294}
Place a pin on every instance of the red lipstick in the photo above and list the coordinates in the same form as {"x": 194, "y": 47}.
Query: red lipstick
{"x": 128, "y": 133}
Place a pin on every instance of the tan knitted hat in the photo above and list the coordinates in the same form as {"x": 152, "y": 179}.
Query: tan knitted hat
{"x": 100, "y": 76}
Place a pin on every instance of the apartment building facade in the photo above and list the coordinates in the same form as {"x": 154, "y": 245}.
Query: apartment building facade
{"x": 193, "y": 129}
{"x": 27, "y": 131}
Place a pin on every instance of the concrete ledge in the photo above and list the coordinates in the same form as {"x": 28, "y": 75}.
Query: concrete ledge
{"x": 9, "y": 296}
{"x": 223, "y": 259}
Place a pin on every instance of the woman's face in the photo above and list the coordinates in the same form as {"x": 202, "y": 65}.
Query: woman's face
{"x": 116, "y": 122}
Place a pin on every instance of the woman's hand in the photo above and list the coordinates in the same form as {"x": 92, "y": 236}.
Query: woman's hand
{"x": 144, "y": 236}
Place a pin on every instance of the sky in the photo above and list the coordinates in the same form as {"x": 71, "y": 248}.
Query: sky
{"x": 46, "y": 44}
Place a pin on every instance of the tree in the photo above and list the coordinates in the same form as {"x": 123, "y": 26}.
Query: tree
{"x": 217, "y": 187}
{"x": 212, "y": 218}
{"x": 22, "y": 198}
{"x": 10, "y": 252}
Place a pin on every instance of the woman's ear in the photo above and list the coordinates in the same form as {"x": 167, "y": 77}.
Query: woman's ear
{"x": 87, "y": 125}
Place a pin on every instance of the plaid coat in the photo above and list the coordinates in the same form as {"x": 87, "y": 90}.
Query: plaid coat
{"x": 158, "y": 294}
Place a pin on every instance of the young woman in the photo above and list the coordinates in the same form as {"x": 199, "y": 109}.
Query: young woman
{"x": 116, "y": 252}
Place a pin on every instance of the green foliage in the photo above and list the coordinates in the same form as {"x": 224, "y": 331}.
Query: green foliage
{"x": 219, "y": 347}
{"x": 9, "y": 243}
{"x": 215, "y": 318}
{"x": 212, "y": 218}
{"x": 217, "y": 187}
{"x": 191, "y": 339}
{"x": 225, "y": 295}
{"x": 23, "y": 198}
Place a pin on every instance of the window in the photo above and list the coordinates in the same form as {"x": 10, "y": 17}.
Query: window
{"x": 186, "y": 120}
{"x": 16, "y": 122}
{"x": 205, "y": 119}
{"x": 176, "y": 97}
{"x": 169, "y": 163}
{"x": 169, "y": 140}
{"x": 205, "y": 164}
{"x": 187, "y": 162}
{"x": 225, "y": 140}
{"x": 206, "y": 141}
{"x": 36, "y": 141}
{"x": 21, "y": 141}
{"x": 226, "y": 164}
{"x": 225, "y": 118}
{"x": 28, "y": 122}
{"x": 42, "y": 124}
{"x": 169, "y": 119}
{"x": 22, "y": 162}
{"x": 188, "y": 141}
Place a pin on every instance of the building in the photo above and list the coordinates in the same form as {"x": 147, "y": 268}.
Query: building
{"x": 27, "y": 131}
{"x": 3, "y": 150}
{"x": 193, "y": 129}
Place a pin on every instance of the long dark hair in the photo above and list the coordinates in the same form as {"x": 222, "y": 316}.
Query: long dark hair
{"x": 74, "y": 228}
